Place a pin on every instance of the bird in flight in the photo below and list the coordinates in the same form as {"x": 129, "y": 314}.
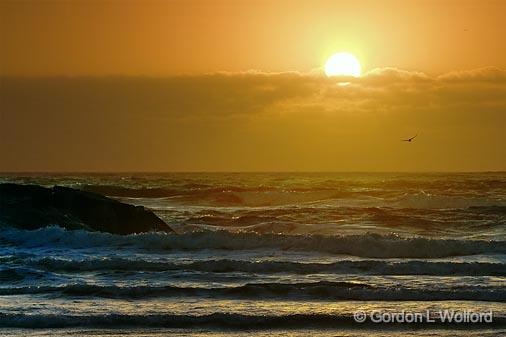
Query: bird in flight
{"x": 410, "y": 139}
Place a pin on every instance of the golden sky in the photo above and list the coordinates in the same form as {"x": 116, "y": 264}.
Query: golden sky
{"x": 238, "y": 86}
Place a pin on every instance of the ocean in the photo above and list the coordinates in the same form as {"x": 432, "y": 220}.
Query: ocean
{"x": 269, "y": 254}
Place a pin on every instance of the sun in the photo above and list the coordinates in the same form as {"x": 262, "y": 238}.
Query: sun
{"x": 343, "y": 64}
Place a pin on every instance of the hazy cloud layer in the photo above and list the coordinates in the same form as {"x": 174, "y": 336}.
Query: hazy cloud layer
{"x": 122, "y": 115}
{"x": 225, "y": 94}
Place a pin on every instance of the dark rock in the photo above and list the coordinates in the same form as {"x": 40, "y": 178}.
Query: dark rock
{"x": 32, "y": 207}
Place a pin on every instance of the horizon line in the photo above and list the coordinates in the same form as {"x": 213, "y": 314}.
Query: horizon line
{"x": 240, "y": 172}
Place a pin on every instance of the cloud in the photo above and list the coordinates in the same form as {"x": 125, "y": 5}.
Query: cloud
{"x": 235, "y": 94}
{"x": 491, "y": 75}
{"x": 253, "y": 118}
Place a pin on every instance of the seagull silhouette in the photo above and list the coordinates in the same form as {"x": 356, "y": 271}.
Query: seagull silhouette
{"x": 410, "y": 139}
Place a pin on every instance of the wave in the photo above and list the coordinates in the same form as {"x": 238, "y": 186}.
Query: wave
{"x": 10, "y": 275}
{"x": 364, "y": 245}
{"x": 424, "y": 200}
{"x": 225, "y": 195}
{"x": 300, "y": 220}
{"x": 216, "y": 320}
{"x": 18, "y": 274}
{"x": 417, "y": 197}
{"x": 121, "y": 191}
{"x": 489, "y": 209}
{"x": 322, "y": 290}
{"x": 368, "y": 267}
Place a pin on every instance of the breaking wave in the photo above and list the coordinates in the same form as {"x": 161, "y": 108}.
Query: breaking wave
{"x": 370, "y": 267}
{"x": 363, "y": 245}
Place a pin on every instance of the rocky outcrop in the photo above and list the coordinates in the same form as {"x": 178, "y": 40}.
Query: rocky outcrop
{"x": 33, "y": 206}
